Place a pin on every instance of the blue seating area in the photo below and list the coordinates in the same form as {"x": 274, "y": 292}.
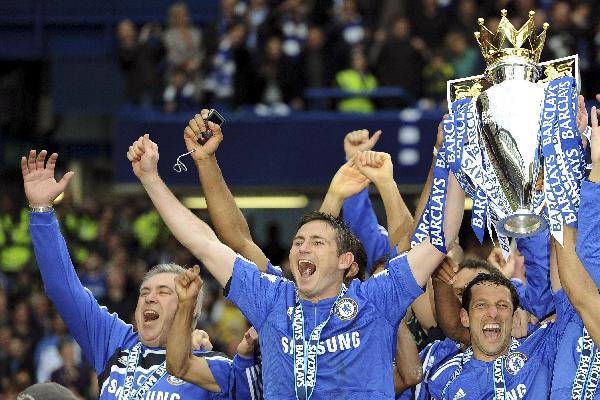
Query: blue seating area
{"x": 34, "y": 29}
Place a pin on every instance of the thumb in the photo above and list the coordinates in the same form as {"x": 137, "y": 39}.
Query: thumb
{"x": 373, "y": 139}
{"x": 65, "y": 180}
{"x": 147, "y": 143}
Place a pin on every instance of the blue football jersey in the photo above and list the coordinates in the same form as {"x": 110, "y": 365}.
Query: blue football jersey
{"x": 588, "y": 229}
{"x": 527, "y": 370}
{"x": 356, "y": 347}
{"x": 107, "y": 341}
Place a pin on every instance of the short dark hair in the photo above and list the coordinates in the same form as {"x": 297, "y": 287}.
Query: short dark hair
{"x": 494, "y": 279}
{"x": 346, "y": 240}
{"x": 476, "y": 263}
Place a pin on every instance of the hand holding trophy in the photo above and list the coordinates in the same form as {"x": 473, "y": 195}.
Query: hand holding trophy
{"x": 510, "y": 129}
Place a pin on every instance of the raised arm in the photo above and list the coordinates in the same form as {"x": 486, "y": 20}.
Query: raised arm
{"x": 346, "y": 182}
{"x": 227, "y": 219}
{"x": 399, "y": 218}
{"x": 180, "y": 360}
{"x": 188, "y": 229}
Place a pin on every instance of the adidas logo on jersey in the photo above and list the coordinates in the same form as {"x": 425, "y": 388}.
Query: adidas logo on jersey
{"x": 459, "y": 395}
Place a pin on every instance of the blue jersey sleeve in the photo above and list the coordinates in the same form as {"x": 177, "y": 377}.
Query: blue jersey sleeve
{"x": 247, "y": 379}
{"x": 393, "y": 289}
{"x": 588, "y": 229}
{"x": 273, "y": 269}
{"x": 254, "y": 292}
{"x": 97, "y": 332}
{"x": 537, "y": 295}
{"x": 361, "y": 219}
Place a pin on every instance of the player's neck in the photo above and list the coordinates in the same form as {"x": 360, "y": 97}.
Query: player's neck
{"x": 328, "y": 293}
{"x": 481, "y": 356}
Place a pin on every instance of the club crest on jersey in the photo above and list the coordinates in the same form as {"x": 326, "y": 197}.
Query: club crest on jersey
{"x": 173, "y": 380}
{"x": 346, "y": 309}
{"x": 514, "y": 362}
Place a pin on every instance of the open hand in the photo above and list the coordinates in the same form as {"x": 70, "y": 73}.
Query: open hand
{"x": 348, "y": 181}
{"x": 38, "y": 178}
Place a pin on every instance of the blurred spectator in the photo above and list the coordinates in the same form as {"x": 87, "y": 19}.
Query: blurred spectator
{"x": 465, "y": 59}
{"x": 139, "y": 57}
{"x": 435, "y": 75}
{"x": 316, "y": 63}
{"x": 116, "y": 299}
{"x": 397, "y": 59}
{"x": 279, "y": 78}
{"x": 179, "y": 93}
{"x": 560, "y": 41}
{"x": 258, "y": 29}
{"x": 72, "y": 374}
{"x": 47, "y": 357}
{"x": 292, "y": 22}
{"x": 351, "y": 24}
{"x": 183, "y": 44}
{"x": 430, "y": 22}
{"x": 356, "y": 79}
{"x": 466, "y": 18}
{"x": 233, "y": 71}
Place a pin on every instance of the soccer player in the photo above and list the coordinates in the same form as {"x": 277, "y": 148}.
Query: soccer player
{"x": 357, "y": 323}
{"x": 577, "y": 366}
{"x": 129, "y": 364}
{"x": 498, "y": 365}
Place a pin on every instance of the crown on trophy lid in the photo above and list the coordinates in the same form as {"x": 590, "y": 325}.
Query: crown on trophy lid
{"x": 507, "y": 41}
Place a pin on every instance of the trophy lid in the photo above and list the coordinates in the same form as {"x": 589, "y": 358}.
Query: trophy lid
{"x": 508, "y": 44}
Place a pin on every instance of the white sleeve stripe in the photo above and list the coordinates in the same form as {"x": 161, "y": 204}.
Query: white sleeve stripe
{"x": 250, "y": 384}
{"x": 443, "y": 368}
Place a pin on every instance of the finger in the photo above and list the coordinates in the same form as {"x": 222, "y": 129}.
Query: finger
{"x": 196, "y": 269}
{"x": 594, "y": 118}
{"x": 39, "y": 161}
{"x": 200, "y": 122}
{"x": 24, "y": 168}
{"x": 31, "y": 161}
{"x": 215, "y": 128}
{"x": 204, "y": 113}
{"x": 194, "y": 127}
{"x": 65, "y": 180}
{"x": 51, "y": 164}
{"x": 373, "y": 140}
{"x": 188, "y": 133}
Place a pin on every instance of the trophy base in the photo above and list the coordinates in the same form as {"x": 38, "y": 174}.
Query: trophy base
{"x": 521, "y": 223}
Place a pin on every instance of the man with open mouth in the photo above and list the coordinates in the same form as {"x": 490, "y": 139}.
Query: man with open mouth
{"x": 129, "y": 363}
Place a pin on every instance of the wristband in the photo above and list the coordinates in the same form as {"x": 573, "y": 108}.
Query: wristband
{"x": 43, "y": 209}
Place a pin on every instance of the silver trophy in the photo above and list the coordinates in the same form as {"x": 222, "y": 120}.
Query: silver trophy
{"x": 509, "y": 100}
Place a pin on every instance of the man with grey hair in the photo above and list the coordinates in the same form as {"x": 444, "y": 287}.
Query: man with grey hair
{"x": 130, "y": 363}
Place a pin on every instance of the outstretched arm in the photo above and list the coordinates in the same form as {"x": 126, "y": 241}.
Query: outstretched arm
{"x": 346, "y": 182}
{"x": 228, "y": 220}
{"x": 189, "y": 230}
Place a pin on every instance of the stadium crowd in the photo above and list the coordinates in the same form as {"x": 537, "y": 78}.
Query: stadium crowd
{"x": 265, "y": 53}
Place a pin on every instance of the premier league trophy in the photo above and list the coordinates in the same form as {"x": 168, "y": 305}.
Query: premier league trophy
{"x": 511, "y": 139}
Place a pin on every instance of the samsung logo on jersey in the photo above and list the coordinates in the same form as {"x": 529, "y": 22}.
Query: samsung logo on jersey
{"x": 116, "y": 390}
{"x": 341, "y": 342}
